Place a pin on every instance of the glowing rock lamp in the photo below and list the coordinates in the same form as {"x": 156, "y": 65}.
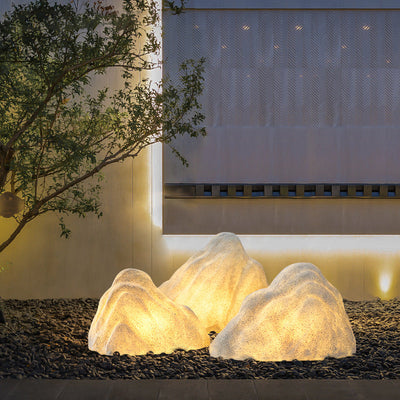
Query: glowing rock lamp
{"x": 10, "y": 204}
{"x": 215, "y": 281}
{"x": 134, "y": 317}
{"x": 299, "y": 316}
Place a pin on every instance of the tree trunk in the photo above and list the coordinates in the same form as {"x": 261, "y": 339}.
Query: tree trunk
{"x": 5, "y": 160}
{"x": 2, "y": 318}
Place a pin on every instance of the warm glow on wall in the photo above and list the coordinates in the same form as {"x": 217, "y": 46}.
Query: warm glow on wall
{"x": 156, "y": 184}
{"x": 346, "y": 244}
{"x": 156, "y": 149}
{"x": 385, "y": 281}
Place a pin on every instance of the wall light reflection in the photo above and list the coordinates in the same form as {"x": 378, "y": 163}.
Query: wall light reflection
{"x": 385, "y": 281}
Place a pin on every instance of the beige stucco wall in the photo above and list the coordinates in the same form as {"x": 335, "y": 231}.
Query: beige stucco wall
{"x": 40, "y": 264}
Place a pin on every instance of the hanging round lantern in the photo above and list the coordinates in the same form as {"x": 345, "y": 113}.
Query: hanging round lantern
{"x": 10, "y": 204}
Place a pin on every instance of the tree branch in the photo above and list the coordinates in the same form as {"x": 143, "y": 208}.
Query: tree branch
{"x": 26, "y": 218}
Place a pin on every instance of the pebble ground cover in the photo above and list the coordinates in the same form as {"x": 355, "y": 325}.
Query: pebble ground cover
{"x": 48, "y": 339}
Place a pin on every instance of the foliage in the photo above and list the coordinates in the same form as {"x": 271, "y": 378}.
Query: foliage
{"x": 55, "y": 134}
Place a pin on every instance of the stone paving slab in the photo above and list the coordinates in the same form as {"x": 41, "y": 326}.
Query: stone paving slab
{"x": 7, "y": 386}
{"x": 135, "y": 390}
{"x": 194, "y": 389}
{"x": 199, "y": 389}
{"x": 31, "y": 389}
{"x": 86, "y": 390}
{"x": 242, "y": 389}
{"x": 280, "y": 389}
{"x": 371, "y": 390}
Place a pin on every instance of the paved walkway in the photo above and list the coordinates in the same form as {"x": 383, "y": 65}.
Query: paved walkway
{"x": 199, "y": 389}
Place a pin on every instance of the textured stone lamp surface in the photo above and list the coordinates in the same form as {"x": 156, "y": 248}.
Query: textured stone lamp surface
{"x": 299, "y": 316}
{"x": 135, "y": 317}
{"x": 214, "y": 282}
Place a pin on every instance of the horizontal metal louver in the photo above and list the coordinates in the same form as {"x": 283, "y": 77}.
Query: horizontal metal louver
{"x": 296, "y": 191}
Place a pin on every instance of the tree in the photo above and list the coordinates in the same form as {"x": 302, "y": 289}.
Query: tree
{"x": 56, "y": 137}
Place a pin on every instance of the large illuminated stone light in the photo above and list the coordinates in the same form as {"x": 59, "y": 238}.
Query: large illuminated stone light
{"x": 214, "y": 281}
{"x": 299, "y": 316}
{"x": 135, "y": 317}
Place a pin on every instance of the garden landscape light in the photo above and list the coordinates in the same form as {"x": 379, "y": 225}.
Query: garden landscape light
{"x": 220, "y": 288}
{"x": 10, "y": 204}
{"x": 215, "y": 281}
{"x": 134, "y": 317}
{"x": 299, "y": 316}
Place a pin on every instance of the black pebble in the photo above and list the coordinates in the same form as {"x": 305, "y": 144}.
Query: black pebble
{"x": 48, "y": 339}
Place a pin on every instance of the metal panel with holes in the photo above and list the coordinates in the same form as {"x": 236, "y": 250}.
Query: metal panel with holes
{"x": 306, "y": 96}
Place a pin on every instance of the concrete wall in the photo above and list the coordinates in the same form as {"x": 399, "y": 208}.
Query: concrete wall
{"x": 282, "y": 216}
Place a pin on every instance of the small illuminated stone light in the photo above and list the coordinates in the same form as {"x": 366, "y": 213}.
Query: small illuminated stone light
{"x": 135, "y": 317}
{"x": 299, "y": 316}
{"x": 215, "y": 281}
{"x": 10, "y": 204}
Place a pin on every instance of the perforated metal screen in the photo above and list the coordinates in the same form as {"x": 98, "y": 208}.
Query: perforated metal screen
{"x": 293, "y": 68}
{"x": 291, "y": 97}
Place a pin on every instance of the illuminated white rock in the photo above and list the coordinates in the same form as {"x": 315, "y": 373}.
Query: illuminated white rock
{"x": 135, "y": 317}
{"x": 299, "y": 316}
{"x": 214, "y": 282}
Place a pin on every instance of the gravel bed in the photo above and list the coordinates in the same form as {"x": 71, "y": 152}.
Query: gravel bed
{"x": 48, "y": 339}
